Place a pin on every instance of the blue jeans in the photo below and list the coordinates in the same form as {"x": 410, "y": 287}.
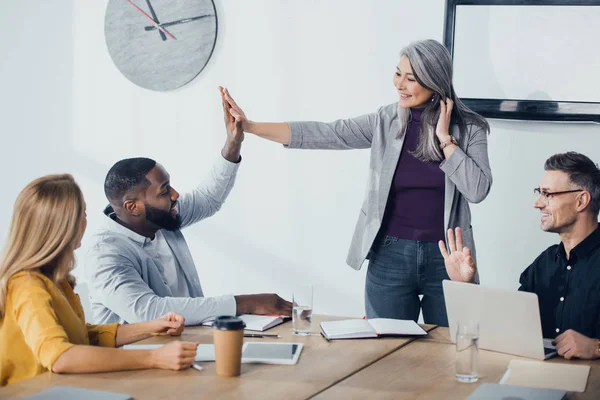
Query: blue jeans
{"x": 399, "y": 271}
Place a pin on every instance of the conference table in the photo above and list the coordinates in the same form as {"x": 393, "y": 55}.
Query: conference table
{"x": 424, "y": 370}
{"x": 388, "y": 367}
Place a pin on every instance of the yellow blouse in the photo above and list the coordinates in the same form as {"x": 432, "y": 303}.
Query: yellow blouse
{"x": 41, "y": 321}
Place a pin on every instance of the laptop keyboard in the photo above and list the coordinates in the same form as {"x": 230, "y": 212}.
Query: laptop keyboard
{"x": 548, "y": 351}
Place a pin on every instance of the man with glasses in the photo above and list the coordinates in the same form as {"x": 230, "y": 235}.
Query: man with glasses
{"x": 566, "y": 276}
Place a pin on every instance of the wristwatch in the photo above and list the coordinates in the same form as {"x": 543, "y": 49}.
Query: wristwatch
{"x": 447, "y": 142}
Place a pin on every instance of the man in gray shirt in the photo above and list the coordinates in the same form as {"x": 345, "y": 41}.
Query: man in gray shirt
{"x": 140, "y": 266}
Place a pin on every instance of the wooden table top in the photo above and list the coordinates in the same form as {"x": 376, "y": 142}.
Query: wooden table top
{"x": 321, "y": 365}
{"x": 424, "y": 369}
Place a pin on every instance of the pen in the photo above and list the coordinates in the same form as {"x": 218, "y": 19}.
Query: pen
{"x": 255, "y": 335}
{"x": 197, "y": 366}
{"x": 325, "y": 337}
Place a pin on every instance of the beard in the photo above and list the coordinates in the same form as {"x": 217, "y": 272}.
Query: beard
{"x": 162, "y": 218}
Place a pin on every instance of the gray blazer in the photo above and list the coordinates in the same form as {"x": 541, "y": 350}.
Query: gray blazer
{"x": 468, "y": 173}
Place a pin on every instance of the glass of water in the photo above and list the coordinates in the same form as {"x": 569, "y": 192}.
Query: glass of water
{"x": 467, "y": 352}
{"x": 302, "y": 300}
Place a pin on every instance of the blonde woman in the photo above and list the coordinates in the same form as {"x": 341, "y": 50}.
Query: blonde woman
{"x": 42, "y": 326}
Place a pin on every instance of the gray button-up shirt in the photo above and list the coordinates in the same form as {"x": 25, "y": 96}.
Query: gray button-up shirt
{"x": 127, "y": 282}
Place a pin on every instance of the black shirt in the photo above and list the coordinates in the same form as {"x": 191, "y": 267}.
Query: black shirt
{"x": 568, "y": 291}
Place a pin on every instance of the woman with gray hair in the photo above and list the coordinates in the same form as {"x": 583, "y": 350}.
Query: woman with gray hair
{"x": 429, "y": 160}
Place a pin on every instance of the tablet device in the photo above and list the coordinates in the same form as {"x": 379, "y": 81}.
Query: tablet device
{"x": 73, "y": 393}
{"x": 204, "y": 352}
{"x": 271, "y": 353}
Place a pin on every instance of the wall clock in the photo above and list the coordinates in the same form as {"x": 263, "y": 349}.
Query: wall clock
{"x": 160, "y": 44}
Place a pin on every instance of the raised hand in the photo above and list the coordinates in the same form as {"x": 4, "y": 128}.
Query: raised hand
{"x": 442, "y": 129}
{"x": 460, "y": 265}
{"x": 235, "y": 110}
{"x": 233, "y": 124}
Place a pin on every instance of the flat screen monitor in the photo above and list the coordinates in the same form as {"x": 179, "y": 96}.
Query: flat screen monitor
{"x": 534, "y": 60}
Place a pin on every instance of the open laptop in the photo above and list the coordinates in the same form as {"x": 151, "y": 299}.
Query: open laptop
{"x": 509, "y": 321}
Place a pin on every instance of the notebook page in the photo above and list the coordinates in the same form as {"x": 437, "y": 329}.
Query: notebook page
{"x": 386, "y": 326}
{"x": 347, "y": 329}
{"x": 260, "y": 322}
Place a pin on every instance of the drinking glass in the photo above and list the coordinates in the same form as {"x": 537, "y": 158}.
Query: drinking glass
{"x": 467, "y": 352}
{"x": 302, "y": 300}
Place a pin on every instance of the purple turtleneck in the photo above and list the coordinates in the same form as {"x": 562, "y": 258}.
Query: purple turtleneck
{"x": 415, "y": 206}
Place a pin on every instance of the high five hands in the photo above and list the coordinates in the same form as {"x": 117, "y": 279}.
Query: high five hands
{"x": 233, "y": 120}
{"x": 234, "y": 112}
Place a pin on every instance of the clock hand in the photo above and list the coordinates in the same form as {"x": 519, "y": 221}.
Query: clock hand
{"x": 151, "y": 20}
{"x": 179, "y": 21}
{"x": 162, "y": 34}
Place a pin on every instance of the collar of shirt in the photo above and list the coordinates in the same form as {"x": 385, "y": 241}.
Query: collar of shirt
{"x": 415, "y": 115}
{"x": 115, "y": 227}
{"x": 582, "y": 249}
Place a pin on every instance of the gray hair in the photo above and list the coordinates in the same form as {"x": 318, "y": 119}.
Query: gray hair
{"x": 432, "y": 68}
{"x": 582, "y": 172}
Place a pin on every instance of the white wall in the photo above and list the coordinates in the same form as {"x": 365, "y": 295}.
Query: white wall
{"x": 36, "y": 68}
{"x": 291, "y": 214}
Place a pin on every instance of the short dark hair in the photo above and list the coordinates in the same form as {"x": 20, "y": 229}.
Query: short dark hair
{"x": 582, "y": 172}
{"x": 126, "y": 175}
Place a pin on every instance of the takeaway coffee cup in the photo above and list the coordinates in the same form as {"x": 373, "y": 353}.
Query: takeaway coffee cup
{"x": 228, "y": 337}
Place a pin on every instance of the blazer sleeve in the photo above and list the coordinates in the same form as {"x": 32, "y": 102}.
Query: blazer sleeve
{"x": 117, "y": 283}
{"x": 103, "y": 335}
{"x": 210, "y": 195}
{"x": 470, "y": 170}
{"x": 31, "y": 305}
{"x": 343, "y": 134}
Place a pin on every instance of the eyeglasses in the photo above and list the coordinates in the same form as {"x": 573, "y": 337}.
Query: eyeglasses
{"x": 548, "y": 195}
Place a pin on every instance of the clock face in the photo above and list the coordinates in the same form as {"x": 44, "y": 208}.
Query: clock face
{"x": 154, "y": 59}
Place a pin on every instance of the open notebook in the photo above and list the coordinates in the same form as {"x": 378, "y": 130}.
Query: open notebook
{"x": 370, "y": 328}
{"x": 258, "y": 323}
